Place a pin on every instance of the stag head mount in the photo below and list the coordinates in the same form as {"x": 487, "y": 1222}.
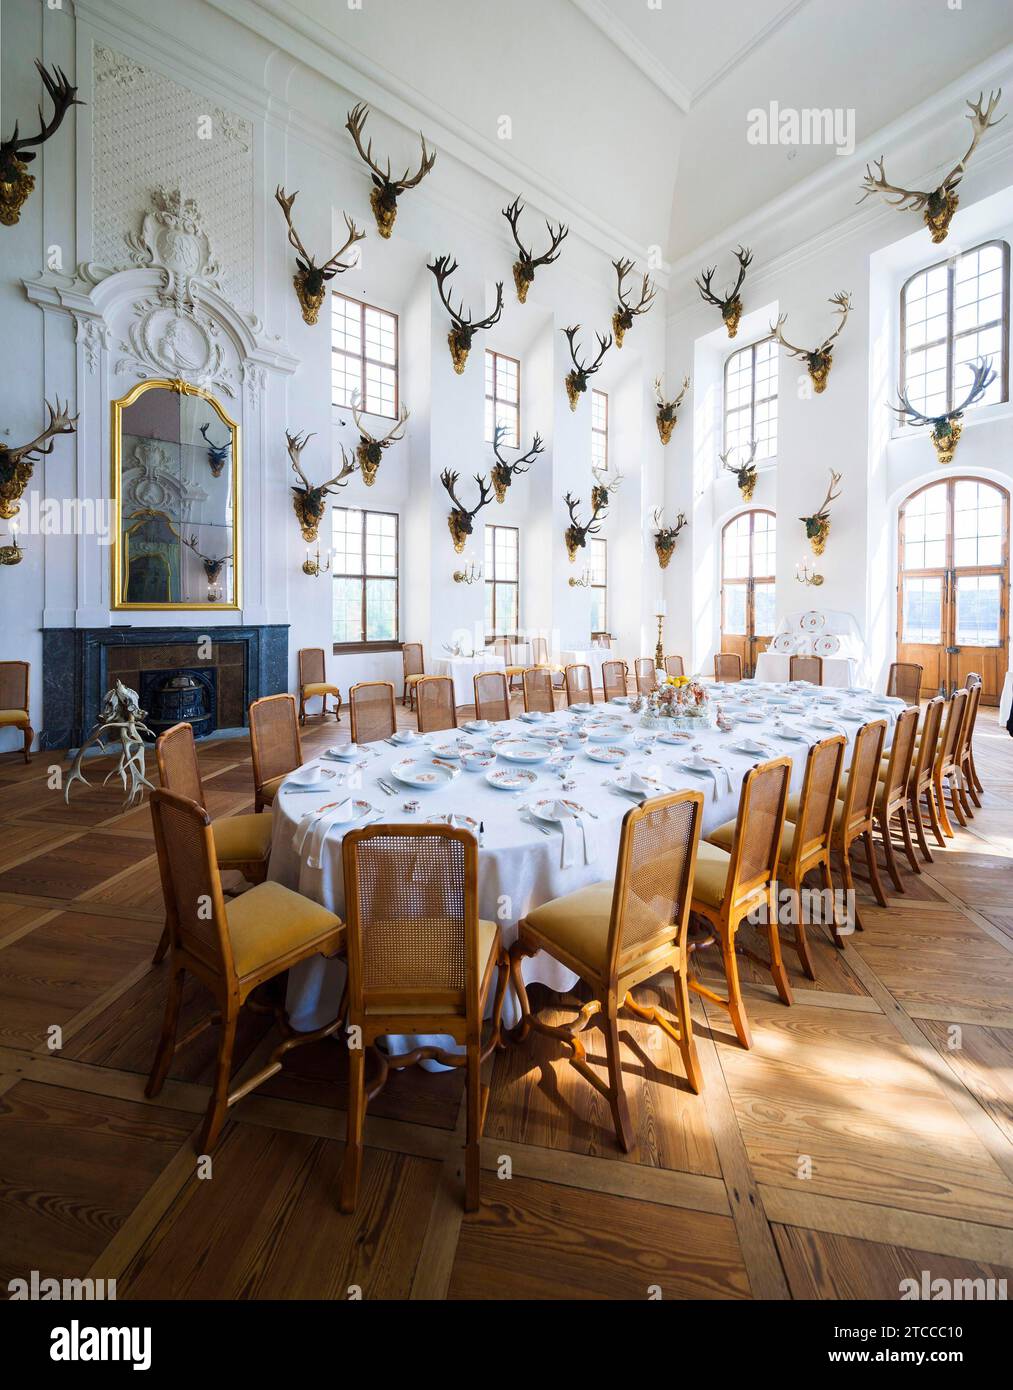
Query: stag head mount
{"x": 577, "y": 377}
{"x": 938, "y": 206}
{"x": 525, "y": 265}
{"x": 575, "y": 534}
{"x": 369, "y": 450}
{"x": 817, "y": 526}
{"x": 604, "y": 487}
{"x": 309, "y": 502}
{"x": 385, "y": 191}
{"x": 745, "y": 472}
{"x": 665, "y": 537}
{"x": 464, "y": 327}
{"x": 731, "y": 303}
{"x": 503, "y": 471}
{"x": 626, "y": 311}
{"x": 212, "y": 565}
{"x": 820, "y": 359}
{"x": 947, "y": 428}
{"x": 17, "y": 465}
{"x": 461, "y": 521}
{"x": 310, "y": 279}
{"x": 16, "y": 183}
{"x": 668, "y": 411}
{"x": 218, "y": 454}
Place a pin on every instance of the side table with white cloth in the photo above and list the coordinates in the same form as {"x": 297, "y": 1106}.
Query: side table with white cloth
{"x": 594, "y": 657}
{"x": 463, "y": 669}
{"x": 839, "y": 672}
{"x": 828, "y": 633}
{"x": 1006, "y": 698}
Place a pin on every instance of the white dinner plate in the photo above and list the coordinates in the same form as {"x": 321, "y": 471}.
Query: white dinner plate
{"x": 605, "y": 733}
{"x": 423, "y": 773}
{"x": 477, "y": 726}
{"x": 620, "y": 700}
{"x": 543, "y": 809}
{"x": 611, "y": 754}
{"x": 675, "y": 736}
{"x": 518, "y": 751}
{"x": 345, "y": 752}
{"x": 581, "y": 709}
{"x": 793, "y": 735}
{"x": 511, "y": 779}
{"x": 535, "y": 716}
{"x": 654, "y": 787}
{"x": 469, "y": 822}
{"x": 445, "y": 750}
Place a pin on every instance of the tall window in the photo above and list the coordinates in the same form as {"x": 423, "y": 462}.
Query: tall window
{"x": 502, "y": 581}
{"x": 503, "y": 396}
{"x": 751, "y": 401}
{"x": 951, "y": 314}
{"x": 363, "y": 356}
{"x": 599, "y": 585}
{"x": 364, "y": 566}
{"x": 599, "y": 430}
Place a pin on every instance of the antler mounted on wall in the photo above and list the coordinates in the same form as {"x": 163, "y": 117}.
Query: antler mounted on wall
{"x": 310, "y": 280}
{"x": 817, "y": 526}
{"x": 731, "y": 304}
{"x": 665, "y": 537}
{"x": 503, "y": 471}
{"x": 17, "y": 465}
{"x": 310, "y": 502}
{"x": 946, "y": 428}
{"x": 218, "y": 454}
{"x": 213, "y": 565}
{"x": 16, "y": 183}
{"x": 575, "y": 534}
{"x": 526, "y": 264}
{"x": 602, "y": 491}
{"x": 369, "y": 450}
{"x": 576, "y": 378}
{"x": 461, "y": 521}
{"x": 668, "y": 411}
{"x": 745, "y": 473}
{"x": 938, "y": 206}
{"x": 622, "y": 319}
{"x": 464, "y": 329}
{"x": 386, "y": 191}
{"x": 820, "y": 359}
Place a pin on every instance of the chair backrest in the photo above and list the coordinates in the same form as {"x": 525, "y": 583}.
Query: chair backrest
{"x": 674, "y": 666}
{"x": 539, "y": 651}
{"x": 905, "y": 681}
{"x": 601, "y": 639}
{"x": 538, "y": 691}
{"x": 372, "y": 706}
{"x": 492, "y": 699}
{"x": 806, "y": 668}
{"x": 274, "y": 737}
{"x": 647, "y": 675}
{"x": 654, "y": 877}
{"x": 970, "y": 718}
{"x": 818, "y": 800}
{"x": 14, "y": 684}
{"x": 578, "y": 685}
{"x": 434, "y": 704}
{"x": 758, "y": 829}
{"x": 902, "y": 750}
{"x": 411, "y": 911}
{"x": 191, "y": 885}
{"x": 501, "y": 647}
{"x": 949, "y": 740}
{"x": 613, "y": 677}
{"x": 925, "y": 758}
{"x": 178, "y": 770}
{"x": 859, "y": 800}
{"x": 412, "y": 660}
{"x": 972, "y": 678}
{"x": 312, "y": 669}
{"x": 727, "y": 666}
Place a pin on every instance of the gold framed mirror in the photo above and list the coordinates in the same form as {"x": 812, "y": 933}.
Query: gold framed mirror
{"x": 176, "y": 472}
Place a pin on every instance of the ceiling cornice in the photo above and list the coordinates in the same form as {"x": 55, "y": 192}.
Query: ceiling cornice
{"x": 638, "y": 53}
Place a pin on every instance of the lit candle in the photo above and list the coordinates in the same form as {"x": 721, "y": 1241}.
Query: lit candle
{"x": 661, "y": 610}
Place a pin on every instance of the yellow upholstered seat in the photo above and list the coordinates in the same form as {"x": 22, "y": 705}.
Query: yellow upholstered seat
{"x": 269, "y": 921}
{"x": 320, "y": 688}
{"x": 269, "y": 790}
{"x": 711, "y": 882}
{"x": 240, "y": 839}
{"x": 415, "y": 676}
{"x": 578, "y": 923}
{"x": 724, "y": 837}
{"x": 13, "y": 716}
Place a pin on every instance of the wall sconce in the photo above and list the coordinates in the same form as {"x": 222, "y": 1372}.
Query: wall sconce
{"x": 312, "y": 566}
{"x": 12, "y": 554}
{"x": 805, "y": 574}
{"x": 470, "y": 574}
{"x": 582, "y": 583}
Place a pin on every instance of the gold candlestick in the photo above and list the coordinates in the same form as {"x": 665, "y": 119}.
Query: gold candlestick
{"x": 659, "y": 651}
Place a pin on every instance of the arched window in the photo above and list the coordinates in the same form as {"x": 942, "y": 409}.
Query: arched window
{"x": 748, "y": 585}
{"x": 751, "y": 401}
{"x": 953, "y": 584}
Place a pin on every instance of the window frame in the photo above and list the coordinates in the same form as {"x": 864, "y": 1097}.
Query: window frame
{"x": 750, "y": 580}
{"x": 603, "y": 434}
{"x": 604, "y": 587}
{"x": 385, "y": 644}
{"x": 495, "y": 354}
{"x": 491, "y": 579}
{"x": 775, "y": 396}
{"x": 364, "y": 360}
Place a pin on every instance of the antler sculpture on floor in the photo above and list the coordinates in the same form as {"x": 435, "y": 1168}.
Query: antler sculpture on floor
{"x": 121, "y": 715}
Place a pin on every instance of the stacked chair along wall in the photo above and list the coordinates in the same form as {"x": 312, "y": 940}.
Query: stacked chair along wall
{"x": 492, "y": 698}
{"x": 373, "y": 715}
{"x": 973, "y": 679}
{"x": 14, "y": 682}
{"x": 947, "y": 764}
{"x": 255, "y": 938}
{"x": 905, "y": 681}
{"x": 806, "y": 668}
{"x": 578, "y": 685}
{"x": 538, "y": 694}
{"x": 920, "y": 785}
{"x": 420, "y": 960}
{"x": 727, "y": 666}
{"x": 274, "y": 744}
{"x": 646, "y": 675}
{"x": 892, "y": 798}
{"x": 618, "y": 935}
{"x": 413, "y": 665}
{"x": 613, "y": 677}
{"x": 434, "y": 704}
{"x": 313, "y": 682}
{"x": 674, "y": 666}
{"x": 967, "y": 783}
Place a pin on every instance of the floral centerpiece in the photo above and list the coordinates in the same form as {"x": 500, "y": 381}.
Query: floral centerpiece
{"x": 682, "y": 699}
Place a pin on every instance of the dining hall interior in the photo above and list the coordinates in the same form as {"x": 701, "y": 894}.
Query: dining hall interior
{"x": 506, "y": 780}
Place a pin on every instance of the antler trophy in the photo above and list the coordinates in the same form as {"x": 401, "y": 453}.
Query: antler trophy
{"x": 121, "y": 714}
{"x": 16, "y": 153}
{"x": 622, "y": 319}
{"x": 665, "y": 537}
{"x": 947, "y": 428}
{"x": 937, "y": 208}
{"x": 526, "y": 264}
{"x": 817, "y": 526}
{"x": 731, "y": 304}
{"x": 464, "y": 329}
{"x": 576, "y": 378}
{"x": 745, "y": 473}
{"x": 602, "y": 491}
{"x": 213, "y": 566}
{"x": 310, "y": 280}
{"x": 385, "y": 191}
{"x": 309, "y": 501}
{"x": 576, "y": 535}
{"x": 461, "y": 520}
{"x": 504, "y": 472}
{"x": 218, "y": 454}
{"x": 369, "y": 450}
{"x": 668, "y": 411}
{"x": 17, "y": 465}
{"x": 820, "y": 359}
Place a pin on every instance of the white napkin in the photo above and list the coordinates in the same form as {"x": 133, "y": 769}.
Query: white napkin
{"x": 750, "y": 745}
{"x": 313, "y": 829}
{"x": 633, "y": 783}
{"x": 718, "y": 773}
{"x": 792, "y": 731}
{"x": 574, "y": 827}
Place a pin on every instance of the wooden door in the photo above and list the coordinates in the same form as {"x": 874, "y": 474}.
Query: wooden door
{"x": 748, "y": 595}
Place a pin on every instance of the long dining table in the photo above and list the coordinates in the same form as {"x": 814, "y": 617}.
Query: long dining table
{"x": 524, "y": 859}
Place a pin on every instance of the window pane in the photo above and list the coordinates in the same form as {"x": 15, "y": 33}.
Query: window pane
{"x": 364, "y": 543}
{"x": 764, "y": 605}
{"x": 978, "y": 610}
{"x": 751, "y": 400}
{"x": 381, "y": 610}
{"x": 735, "y": 609}
{"x": 922, "y": 620}
{"x": 363, "y": 356}
{"x": 347, "y": 609}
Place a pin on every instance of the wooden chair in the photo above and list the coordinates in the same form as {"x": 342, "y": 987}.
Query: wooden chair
{"x": 419, "y": 961}
{"x": 492, "y": 698}
{"x": 973, "y": 679}
{"x": 613, "y": 678}
{"x": 893, "y": 795}
{"x": 920, "y": 783}
{"x": 674, "y": 666}
{"x": 731, "y": 884}
{"x": 727, "y": 666}
{"x": 313, "y": 681}
{"x": 275, "y": 744}
{"x": 905, "y": 681}
{"x": 967, "y": 788}
{"x": 540, "y": 657}
{"x": 14, "y": 678}
{"x": 434, "y": 704}
{"x": 617, "y": 935}
{"x": 414, "y": 666}
{"x": 238, "y": 947}
{"x": 578, "y": 685}
{"x": 646, "y": 675}
{"x": 805, "y": 846}
{"x": 538, "y": 691}
{"x": 601, "y": 639}
{"x": 372, "y": 711}
{"x": 947, "y": 765}
{"x": 501, "y": 646}
{"x": 806, "y": 668}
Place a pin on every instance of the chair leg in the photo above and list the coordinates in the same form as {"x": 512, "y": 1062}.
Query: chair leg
{"x": 687, "y": 1043}
{"x": 801, "y": 939}
{"x": 919, "y": 828}
{"x": 162, "y": 947}
{"x": 888, "y": 854}
{"x": 167, "y": 1042}
{"x": 617, "y": 1096}
{"x": 874, "y": 878}
{"x": 777, "y": 971}
{"x": 352, "y": 1167}
{"x": 302, "y": 709}
{"x": 473, "y": 1137}
{"x": 955, "y": 806}
{"x": 974, "y": 771}
{"x": 826, "y": 878}
{"x": 940, "y": 800}
{"x": 905, "y": 830}
{"x": 29, "y": 735}
{"x": 218, "y": 1105}
{"x": 522, "y": 1028}
{"x": 933, "y": 809}
{"x": 736, "y": 1004}
{"x": 967, "y": 777}
{"x": 337, "y": 712}
{"x": 849, "y": 888}
{"x": 962, "y": 788}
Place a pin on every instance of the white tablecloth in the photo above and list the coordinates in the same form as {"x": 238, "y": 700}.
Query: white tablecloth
{"x": 463, "y": 669}
{"x": 593, "y": 657}
{"x": 839, "y": 672}
{"x": 1006, "y": 698}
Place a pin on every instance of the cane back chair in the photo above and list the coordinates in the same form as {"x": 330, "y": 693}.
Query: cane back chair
{"x": 313, "y": 681}
{"x": 894, "y": 792}
{"x": 905, "y": 681}
{"x": 613, "y": 678}
{"x": 646, "y": 675}
{"x": 492, "y": 698}
{"x": 371, "y": 704}
{"x": 674, "y": 666}
{"x": 413, "y": 665}
{"x": 14, "y": 678}
{"x": 578, "y": 685}
{"x": 275, "y": 745}
{"x": 806, "y": 668}
{"x": 727, "y": 666}
{"x": 920, "y": 784}
{"x": 538, "y": 694}
{"x": 434, "y": 704}
{"x": 947, "y": 765}
{"x": 973, "y": 678}
{"x": 966, "y": 781}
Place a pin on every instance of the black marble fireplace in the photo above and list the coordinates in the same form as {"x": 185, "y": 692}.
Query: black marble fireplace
{"x": 229, "y": 666}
